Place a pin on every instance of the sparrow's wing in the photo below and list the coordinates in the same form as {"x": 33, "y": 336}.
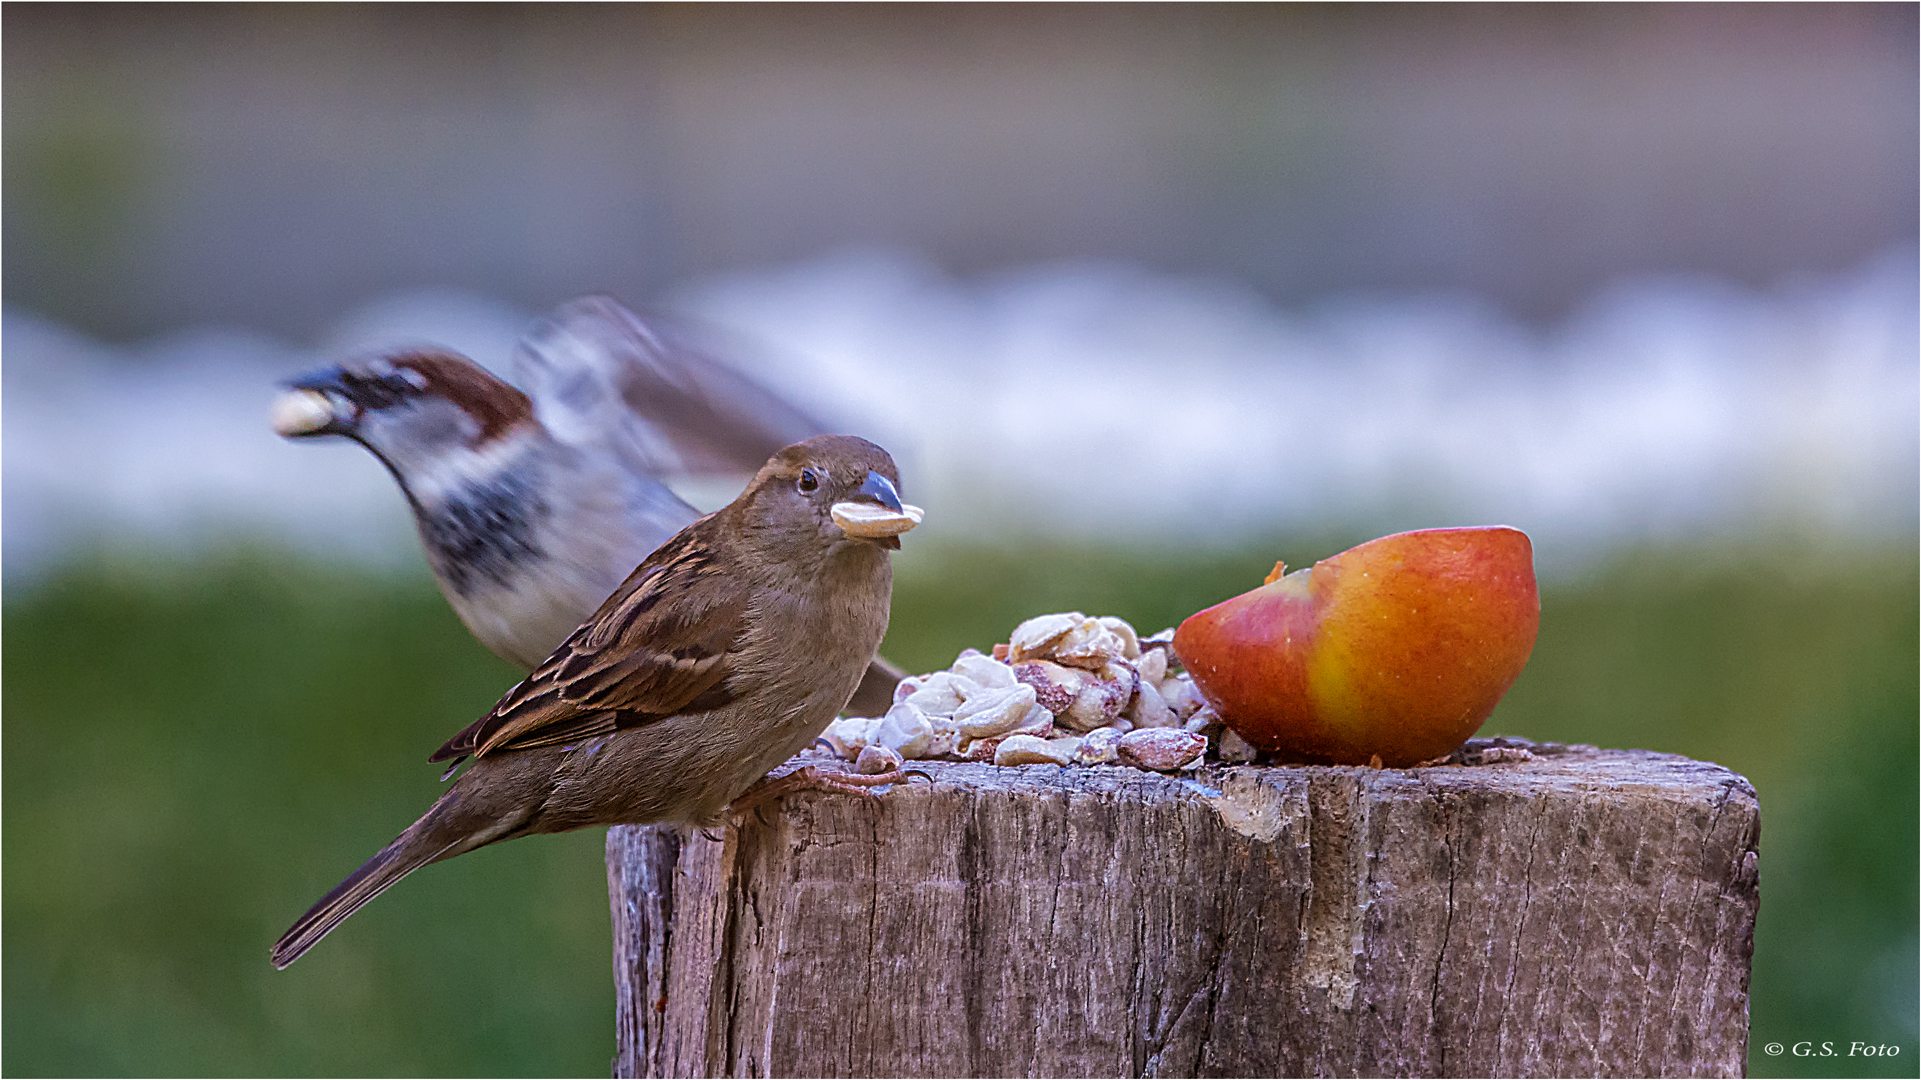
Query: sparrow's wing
{"x": 662, "y": 644}
{"x": 598, "y": 374}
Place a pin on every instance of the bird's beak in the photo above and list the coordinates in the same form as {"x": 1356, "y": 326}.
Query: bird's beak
{"x": 320, "y": 403}
{"x": 875, "y": 512}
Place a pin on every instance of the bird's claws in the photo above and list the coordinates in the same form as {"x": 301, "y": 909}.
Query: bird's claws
{"x": 860, "y": 781}
{"x": 809, "y": 778}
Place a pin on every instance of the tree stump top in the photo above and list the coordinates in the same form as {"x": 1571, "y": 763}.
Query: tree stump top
{"x": 1536, "y": 910}
{"x": 1491, "y": 768}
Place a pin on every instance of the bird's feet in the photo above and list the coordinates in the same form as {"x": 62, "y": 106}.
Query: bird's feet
{"x": 810, "y": 778}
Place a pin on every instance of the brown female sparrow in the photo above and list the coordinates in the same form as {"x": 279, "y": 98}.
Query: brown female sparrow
{"x": 533, "y": 508}
{"x": 724, "y": 653}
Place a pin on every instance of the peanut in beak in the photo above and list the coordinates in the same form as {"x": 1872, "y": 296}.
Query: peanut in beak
{"x": 300, "y": 412}
{"x": 872, "y": 521}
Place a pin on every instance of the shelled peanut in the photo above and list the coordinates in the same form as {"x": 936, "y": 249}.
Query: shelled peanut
{"x": 1065, "y": 689}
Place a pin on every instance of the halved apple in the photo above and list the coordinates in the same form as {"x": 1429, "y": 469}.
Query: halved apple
{"x": 1398, "y": 648}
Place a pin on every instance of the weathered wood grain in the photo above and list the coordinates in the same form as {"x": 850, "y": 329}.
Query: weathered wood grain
{"x": 1585, "y": 912}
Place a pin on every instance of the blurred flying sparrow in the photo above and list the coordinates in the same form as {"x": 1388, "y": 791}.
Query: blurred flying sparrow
{"x": 534, "y": 506}
{"x": 722, "y": 655}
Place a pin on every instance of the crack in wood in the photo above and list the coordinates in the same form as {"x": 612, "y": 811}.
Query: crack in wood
{"x": 1437, "y": 1025}
{"x": 1333, "y": 906}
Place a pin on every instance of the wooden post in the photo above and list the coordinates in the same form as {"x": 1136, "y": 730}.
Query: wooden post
{"x": 1572, "y": 912}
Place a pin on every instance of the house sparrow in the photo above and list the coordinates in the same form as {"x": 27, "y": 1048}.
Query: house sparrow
{"x": 722, "y": 655}
{"x": 533, "y": 508}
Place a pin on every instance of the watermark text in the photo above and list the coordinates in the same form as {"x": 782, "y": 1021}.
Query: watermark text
{"x": 1828, "y": 1049}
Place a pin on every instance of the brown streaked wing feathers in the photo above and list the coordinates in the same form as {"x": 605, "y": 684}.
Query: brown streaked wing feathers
{"x": 664, "y": 641}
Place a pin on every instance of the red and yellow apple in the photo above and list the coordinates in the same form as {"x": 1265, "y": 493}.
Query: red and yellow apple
{"x": 1398, "y": 648}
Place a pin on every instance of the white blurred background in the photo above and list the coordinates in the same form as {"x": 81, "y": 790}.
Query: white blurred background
{"x": 1097, "y": 400}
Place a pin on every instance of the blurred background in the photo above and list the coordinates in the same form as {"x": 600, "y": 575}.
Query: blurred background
{"x": 1142, "y": 297}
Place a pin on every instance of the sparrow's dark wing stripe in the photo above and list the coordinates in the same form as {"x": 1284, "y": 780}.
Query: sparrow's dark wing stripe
{"x": 574, "y": 729}
{"x": 663, "y": 643}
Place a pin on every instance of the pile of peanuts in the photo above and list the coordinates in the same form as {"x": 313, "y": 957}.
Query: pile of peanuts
{"x": 1065, "y": 689}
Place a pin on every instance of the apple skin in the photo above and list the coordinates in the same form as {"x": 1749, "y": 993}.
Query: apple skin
{"x": 1398, "y": 648}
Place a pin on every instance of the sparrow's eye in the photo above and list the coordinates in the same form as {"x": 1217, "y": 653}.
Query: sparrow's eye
{"x": 809, "y": 482}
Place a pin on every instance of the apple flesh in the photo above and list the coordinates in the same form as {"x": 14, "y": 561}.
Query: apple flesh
{"x": 1397, "y": 649}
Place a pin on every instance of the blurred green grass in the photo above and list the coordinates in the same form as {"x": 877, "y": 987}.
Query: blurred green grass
{"x": 192, "y": 755}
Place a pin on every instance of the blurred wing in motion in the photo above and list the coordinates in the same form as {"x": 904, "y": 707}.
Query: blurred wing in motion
{"x": 599, "y": 375}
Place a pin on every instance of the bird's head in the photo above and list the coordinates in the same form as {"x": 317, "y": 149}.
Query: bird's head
{"x": 416, "y": 410}
{"x": 841, "y": 488}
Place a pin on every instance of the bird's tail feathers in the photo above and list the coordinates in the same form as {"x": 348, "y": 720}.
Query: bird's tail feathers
{"x": 457, "y": 823}
{"x": 409, "y": 852}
